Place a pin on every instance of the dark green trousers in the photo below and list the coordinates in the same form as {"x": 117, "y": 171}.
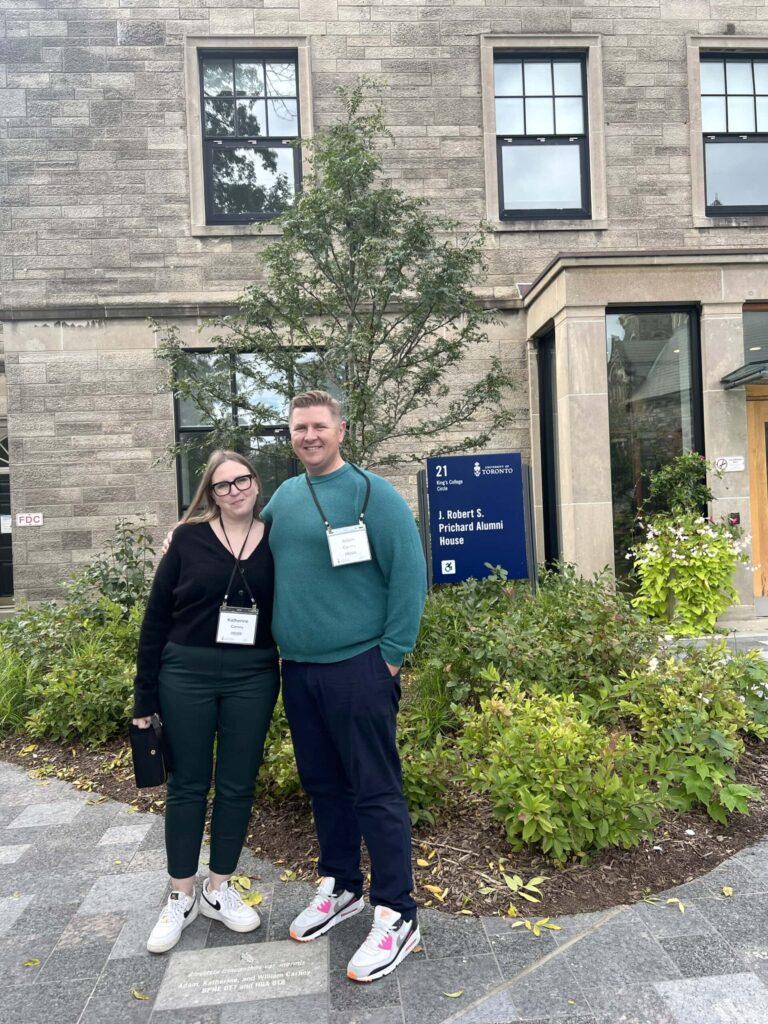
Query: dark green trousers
{"x": 226, "y": 694}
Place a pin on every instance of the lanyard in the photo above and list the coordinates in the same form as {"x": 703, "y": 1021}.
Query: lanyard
{"x": 237, "y": 567}
{"x": 365, "y": 503}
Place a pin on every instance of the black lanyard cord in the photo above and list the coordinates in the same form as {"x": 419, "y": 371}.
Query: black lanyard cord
{"x": 237, "y": 566}
{"x": 365, "y": 503}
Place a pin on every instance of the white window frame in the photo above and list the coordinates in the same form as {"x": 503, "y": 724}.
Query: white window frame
{"x": 590, "y": 45}
{"x": 192, "y": 46}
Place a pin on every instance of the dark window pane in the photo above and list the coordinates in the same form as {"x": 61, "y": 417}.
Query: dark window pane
{"x": 538, "y": 79}
{"x": 569, "y": 116}
{"x": 273, "y": 467}
{"x": 217, "y": 78}
{"x": 192, "y": 464}
{"x": 761, "y": 76}
{"x": 712, "y": 77}
{"x": 508, "y": 76}
{"x": 541, "y": 177}
{"x": 755, "y": 336}
{"x": 650, "y": 408}
{"x": 281, "y": 79}
{"x": 741, "y": 114}
{"x": 509, "y": 117}
{"x": 738, "y": 75}
{"x": 219, "y": 117}
{"x": 251, "y": 118}
{"x": 713, "y": 114}
{"x": 539, "y": 117}
{"x": 567, "y": 78}
{"x": 282, "y": 117}
{"x": 761, "y": 103}
{"x": 737, "y": 173}
{"x": 247, "y": 180}
{"x": 249, "y": 78}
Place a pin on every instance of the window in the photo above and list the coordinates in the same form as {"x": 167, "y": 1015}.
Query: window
{"x": 654, "y": 405}
{"x": 193, "y": 425}
{"x": 734, "y": 122}
{"x": 541, "y": 135}
{"x": 250, "y": 127}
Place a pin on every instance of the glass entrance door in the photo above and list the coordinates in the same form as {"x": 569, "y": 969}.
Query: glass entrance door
{"x": 654, "y": 405}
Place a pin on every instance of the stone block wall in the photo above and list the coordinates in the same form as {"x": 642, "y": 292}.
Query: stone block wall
{"x": 87, "y": 428}
{"x": 95, "y": 190}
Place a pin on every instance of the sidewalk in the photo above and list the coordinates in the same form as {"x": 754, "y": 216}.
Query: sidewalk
{"x": 83, "y": 882}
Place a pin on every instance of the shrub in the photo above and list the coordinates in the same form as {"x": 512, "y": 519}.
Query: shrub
{"x": 685, "y": 568}
{"x": 690, "y": 713}
{"x": 16, "y": 677}
{"x": 429, "y": 763}
{"x": 122, "y": 573}
{"x": 679, "y": 486}
{"x": 278, "y": 776}
{"x": 87, "y": 693}
{"x": 572, "y": 635}
{"x": 555, "y": 779}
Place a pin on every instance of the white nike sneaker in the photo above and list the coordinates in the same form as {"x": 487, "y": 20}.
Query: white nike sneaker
{"x": 326, "y": 910}
{"x": 390, "y": 941}
{"x": 178, "y": 912}
{"x": 226, "y": 905}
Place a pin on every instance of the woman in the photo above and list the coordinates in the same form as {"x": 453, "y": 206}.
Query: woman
{"x": 207, "y": 665}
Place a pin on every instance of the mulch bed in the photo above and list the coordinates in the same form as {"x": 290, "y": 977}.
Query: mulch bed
{"x": 463, "y": 853}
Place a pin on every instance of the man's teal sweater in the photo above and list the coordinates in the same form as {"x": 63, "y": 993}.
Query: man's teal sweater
{"x": 327, "y": 614}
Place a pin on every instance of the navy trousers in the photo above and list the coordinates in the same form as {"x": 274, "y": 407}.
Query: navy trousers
{"x": 343, "y": 718}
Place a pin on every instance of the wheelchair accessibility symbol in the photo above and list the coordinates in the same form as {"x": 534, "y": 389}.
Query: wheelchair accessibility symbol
{"x": 448, "y": 567}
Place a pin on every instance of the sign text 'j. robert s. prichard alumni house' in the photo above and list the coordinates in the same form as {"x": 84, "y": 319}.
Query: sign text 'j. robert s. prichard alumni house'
{"x": 619, "y": 154}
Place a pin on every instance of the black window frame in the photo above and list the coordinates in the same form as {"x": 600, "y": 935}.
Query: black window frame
{"x": 731, "y": 138}
{"x": 581, "y": 140}
{"x": 291, "y": 142}
{"x": 273, "y": 430}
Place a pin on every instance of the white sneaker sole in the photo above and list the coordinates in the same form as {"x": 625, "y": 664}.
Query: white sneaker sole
{"x": 164, "y": 946}
{"x": 234, "y": 926}
{"x": 350, "y": 911}
{"x": 408, "y": 947}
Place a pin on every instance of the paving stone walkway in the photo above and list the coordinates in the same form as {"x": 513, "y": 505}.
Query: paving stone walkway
{"x": 83, "y": 882}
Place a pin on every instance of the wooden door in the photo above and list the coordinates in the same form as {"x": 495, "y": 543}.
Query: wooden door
{"x": 757, "y": 444}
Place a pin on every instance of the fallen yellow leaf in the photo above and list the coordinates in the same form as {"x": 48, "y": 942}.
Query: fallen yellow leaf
{"x": 727, "y": 890}
{"x": 139, "y": 993}
{"x": 422, "y": 863}
{"x": 252, "y": 899}
{"x": 241, "y": 882}
{"x": 32, "y": 963}
{"x": 454, "y": 995}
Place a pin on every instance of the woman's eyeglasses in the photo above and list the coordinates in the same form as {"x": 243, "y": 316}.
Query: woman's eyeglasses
{"x": 241, "y": 483}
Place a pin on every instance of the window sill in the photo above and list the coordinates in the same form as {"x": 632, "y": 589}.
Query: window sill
{"x": 596, "y": 224}
{"x": 222, "y": 230}
{"x": 739, "y": 220}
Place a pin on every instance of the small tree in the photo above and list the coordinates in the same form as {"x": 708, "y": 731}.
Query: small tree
{"x": 367, "y": 294}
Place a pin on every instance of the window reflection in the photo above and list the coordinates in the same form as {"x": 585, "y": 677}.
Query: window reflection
{"x": 650, "y": 408}
{"x": 250, "y": 180}
{"x": 542, "y": 177}
{"x": 737, "y": 173}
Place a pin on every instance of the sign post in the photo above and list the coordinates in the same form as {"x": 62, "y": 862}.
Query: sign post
{"x": 474, "y": 512}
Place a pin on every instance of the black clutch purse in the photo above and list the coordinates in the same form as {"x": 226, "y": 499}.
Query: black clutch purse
{"x": 150, "y": 755}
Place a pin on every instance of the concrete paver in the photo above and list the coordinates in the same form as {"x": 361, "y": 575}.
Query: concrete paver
{"x": 82, "y": 885}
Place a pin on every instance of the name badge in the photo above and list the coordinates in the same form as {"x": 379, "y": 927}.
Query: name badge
{"x": 349, "y": 544}
{"x": 237, "y": 625}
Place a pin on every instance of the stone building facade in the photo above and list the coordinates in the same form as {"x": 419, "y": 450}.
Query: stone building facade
{"x": 622, "y": 215}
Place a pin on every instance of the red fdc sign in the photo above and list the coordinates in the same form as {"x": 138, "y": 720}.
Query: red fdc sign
{"x": 29, "y": 518}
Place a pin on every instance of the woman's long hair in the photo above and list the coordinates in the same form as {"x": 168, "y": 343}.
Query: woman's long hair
{"x": 203, "y": 508}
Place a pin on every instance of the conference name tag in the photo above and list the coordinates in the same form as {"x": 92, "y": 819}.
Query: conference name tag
{"x": 349, "y": 544}
{"x": 237, "y": 625}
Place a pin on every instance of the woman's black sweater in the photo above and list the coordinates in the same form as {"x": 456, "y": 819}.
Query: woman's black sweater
{"x": 187, "y": 593}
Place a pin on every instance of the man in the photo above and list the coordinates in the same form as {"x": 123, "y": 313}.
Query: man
{"x": 350, "y": 585}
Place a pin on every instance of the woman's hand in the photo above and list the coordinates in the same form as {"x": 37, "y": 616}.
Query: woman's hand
{"x": 167, "y": 541}
{"x": 143, "y": 723}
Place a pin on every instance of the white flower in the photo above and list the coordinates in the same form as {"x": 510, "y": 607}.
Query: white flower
{"x": 653, "y": 664}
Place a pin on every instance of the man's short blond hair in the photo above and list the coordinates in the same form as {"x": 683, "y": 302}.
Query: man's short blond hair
{"x": 310, "y": 398}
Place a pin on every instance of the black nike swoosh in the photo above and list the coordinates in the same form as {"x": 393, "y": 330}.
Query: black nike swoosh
{"x": 216, "y": 905}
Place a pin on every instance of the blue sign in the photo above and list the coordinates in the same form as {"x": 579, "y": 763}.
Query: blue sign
{"x": 477, "y": 515}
